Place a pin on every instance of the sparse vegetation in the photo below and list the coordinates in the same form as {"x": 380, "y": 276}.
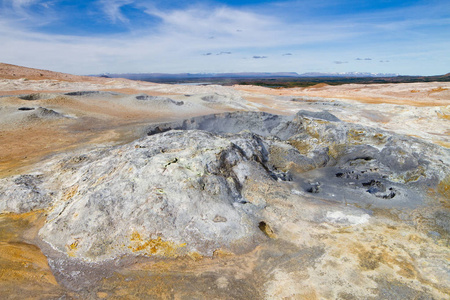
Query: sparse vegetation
{"x": 292, "y": 82}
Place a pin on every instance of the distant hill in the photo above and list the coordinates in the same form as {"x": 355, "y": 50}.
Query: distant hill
{"x": 280, "y": 79}
{"x": 348, "y": 74}
{"x": 8, "y": 71}
{"x": 150, "y": 76}
{"x": 271, "y": 79}
{"x": 242, "y": 75}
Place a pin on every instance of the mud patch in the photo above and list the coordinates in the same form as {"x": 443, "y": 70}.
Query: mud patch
{"x": 91, "y": 93}
{"x": 25, "y": 108}
{"x": 36, "y": 96}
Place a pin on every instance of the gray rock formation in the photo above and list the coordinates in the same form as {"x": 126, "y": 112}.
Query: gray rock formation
{"x": 36, "y": 96}
{"x": 166, "y": 195}
{"x": 176, "y": 185}
{"x": 324, "y": 115}
{"x": 24, "y": 193}
{"x": 42, "y": 112}
{"x": 228, "y": 182}
{"x": 263, "y": 124}
{"x": 159, "y": 100}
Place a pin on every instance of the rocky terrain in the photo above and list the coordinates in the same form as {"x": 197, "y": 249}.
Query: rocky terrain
{"x": 122, "y": 189}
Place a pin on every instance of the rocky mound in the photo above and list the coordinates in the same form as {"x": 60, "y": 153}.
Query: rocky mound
{"x": 24, "y": 115}
{"x": 15, "y": 117}
{"x": 159, "y": 100}
{"x": 36, "y": 96}
{"x": 228, "y": 182}
{"x": 261, "y": 123}
{"x": 176, "y": 185}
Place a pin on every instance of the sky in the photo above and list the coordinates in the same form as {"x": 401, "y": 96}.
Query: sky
{"x": 172, "y": 36}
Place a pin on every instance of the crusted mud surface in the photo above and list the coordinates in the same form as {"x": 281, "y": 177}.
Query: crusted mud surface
{"x": 136, "y": 190}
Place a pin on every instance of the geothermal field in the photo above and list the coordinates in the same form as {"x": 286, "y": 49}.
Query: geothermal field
{"x": 120, "y": 189}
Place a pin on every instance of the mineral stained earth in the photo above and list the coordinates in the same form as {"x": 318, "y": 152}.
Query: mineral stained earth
{"x": 118, "y": 189}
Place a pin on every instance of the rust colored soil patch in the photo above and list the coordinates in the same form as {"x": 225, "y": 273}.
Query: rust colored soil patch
{"x": 24, "y": 271}
{"x": 378, "y": 100}
{"x": 319, "y": 85}
{"x": 23, "y": 147}
{"x": 365, "y": 94}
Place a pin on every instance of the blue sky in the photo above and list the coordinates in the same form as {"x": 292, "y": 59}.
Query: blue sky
{"x": 133, "y": 36}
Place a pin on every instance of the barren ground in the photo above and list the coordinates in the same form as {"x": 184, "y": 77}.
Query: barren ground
{"x": 95, "y": 120}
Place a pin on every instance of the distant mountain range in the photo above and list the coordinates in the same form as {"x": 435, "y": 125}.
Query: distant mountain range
{"x": 348, "y": 74}
{"x": 150, "y": 76}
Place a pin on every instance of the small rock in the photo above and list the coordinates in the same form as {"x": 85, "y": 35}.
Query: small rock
{"x": 219, "y": 219}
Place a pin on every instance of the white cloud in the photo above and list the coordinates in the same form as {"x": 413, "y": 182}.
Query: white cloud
{"x": 223, "y": 20}
{"x": 178, "y": 42}
{"x": 24, "y": 13}
{"x": 232, "y": 28}
{"x": 112, "y": 8}
{"x": 18, "y": 4}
